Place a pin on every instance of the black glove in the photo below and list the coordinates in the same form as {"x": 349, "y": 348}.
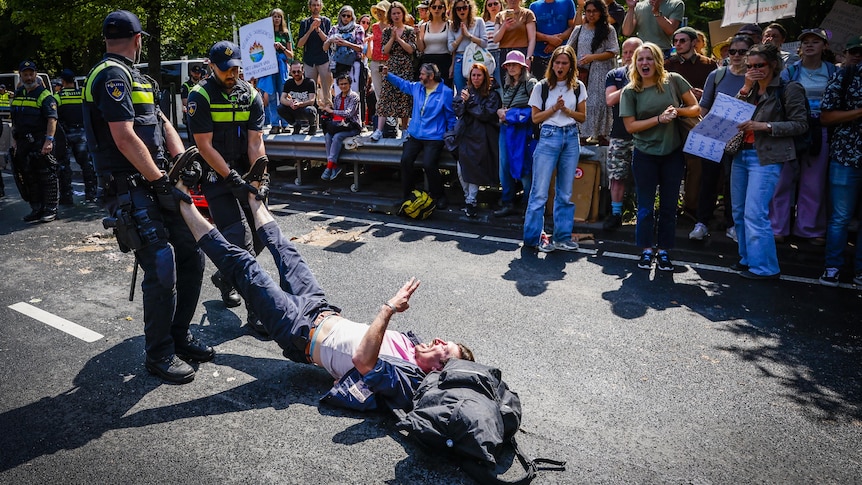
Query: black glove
{"x": 238, "y": 186}
{"x": 167, "y": 195}
{"x": 191, "y": 174}
{"x": 263, "y": 187}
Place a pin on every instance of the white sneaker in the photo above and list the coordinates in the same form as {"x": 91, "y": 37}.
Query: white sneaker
{"x": 731, "y": 233}
{"x": 377, "y": 135}
{"x": 699, "y": 232}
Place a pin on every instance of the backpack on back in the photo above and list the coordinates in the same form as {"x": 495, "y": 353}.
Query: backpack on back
{"x": 468, "y": 411}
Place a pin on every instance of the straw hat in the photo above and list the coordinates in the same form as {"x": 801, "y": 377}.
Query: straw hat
{"x": 716, "y": 49}
{"x": 379, "y": 10}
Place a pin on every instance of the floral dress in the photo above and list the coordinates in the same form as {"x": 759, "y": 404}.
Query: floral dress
{"x": 599, "y": 115}
{"x": 393, "y": 102}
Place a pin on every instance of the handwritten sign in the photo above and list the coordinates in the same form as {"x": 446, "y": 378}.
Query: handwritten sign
{"x": 257, "y": 42}
{"x": 756, "y": 11}
{"x": 710, "y": 136}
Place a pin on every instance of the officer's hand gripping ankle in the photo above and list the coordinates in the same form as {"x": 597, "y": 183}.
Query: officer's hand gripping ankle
{"x": 167, "y": 195}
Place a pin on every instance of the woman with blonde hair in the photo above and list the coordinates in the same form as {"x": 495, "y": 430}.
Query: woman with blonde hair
{"x": 558, "y": 150}
{"x": 649, "y": 107}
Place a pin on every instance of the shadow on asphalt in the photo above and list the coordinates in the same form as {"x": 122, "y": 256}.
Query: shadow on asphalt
{"x": 806, "y": 337}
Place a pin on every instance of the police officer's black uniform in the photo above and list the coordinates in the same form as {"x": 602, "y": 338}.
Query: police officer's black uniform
{"x": 35, "y": 173}
{"x": 185, "y": 89}
{"x": 164, "y": 247}
{"x": 71, "y": 118}
{"x": 228, "y": 116}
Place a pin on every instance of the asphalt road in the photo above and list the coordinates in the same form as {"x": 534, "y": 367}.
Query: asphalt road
{"x": 630, "y": 376}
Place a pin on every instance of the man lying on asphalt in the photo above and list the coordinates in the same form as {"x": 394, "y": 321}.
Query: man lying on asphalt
{"x": 372, "y": 364}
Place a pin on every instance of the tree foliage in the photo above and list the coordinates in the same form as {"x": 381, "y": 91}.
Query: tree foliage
{"x": 68, "y": 34}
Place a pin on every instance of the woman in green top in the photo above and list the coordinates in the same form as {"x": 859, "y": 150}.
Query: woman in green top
{"x": 649, "y": 108}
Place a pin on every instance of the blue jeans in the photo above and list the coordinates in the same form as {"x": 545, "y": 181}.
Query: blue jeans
{"x": 664, "y": 172}
{"x": 287, "y": 309}
{"x": 457, "y": 77}
{"x": 334, "y": 143}
{"x": 508, "y": 184}
{"x": 845, "y": 186}
{"x": 558, "y": 149}
{"x": 752, "y": 186}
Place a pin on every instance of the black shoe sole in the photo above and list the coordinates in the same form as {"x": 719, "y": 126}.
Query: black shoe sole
{"x": 176, "y": 379}
{"x": 186, "y": 157}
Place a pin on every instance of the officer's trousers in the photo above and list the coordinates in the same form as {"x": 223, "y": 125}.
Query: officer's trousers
{"x": 74, "y": 141}
{"x": 37, "y": 175}
{"x": 173, "y": 269}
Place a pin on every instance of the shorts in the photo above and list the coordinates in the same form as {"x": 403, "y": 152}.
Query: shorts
{"x": 619, "y": 161}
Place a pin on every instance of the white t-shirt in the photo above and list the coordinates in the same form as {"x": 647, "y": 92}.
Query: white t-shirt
{"x": 336, "y": 350}
{"x": 558, "y": 118}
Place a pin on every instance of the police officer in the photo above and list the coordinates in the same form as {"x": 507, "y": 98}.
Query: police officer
{"x": 71, "y": 119}
{"x": 34, "y": 122}
{"x": 226, "y": 117}
{"x": 127, "y": 135}
{"x": 5, "y": 100}
{"x": 193, "y": 80}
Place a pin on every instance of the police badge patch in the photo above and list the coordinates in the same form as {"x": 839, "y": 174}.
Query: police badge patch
{"x": 116, "y": 89}
{"x": 192, "y": 107}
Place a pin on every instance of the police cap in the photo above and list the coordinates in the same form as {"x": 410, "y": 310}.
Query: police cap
{"x": 28, "y": 64}
{"x": 224, "y": 55}
{"x": 67, "y": 75}
{"x": 121, "y": 24}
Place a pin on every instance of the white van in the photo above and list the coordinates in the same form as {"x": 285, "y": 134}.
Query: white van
{"x": 174, "y": 74}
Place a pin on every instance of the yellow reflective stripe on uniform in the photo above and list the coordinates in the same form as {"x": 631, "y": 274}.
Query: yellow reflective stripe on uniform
{"x": 30, "y": 102}
{"x": 223, "y": 112}
{"x": 228, "y": 116}
{"x": 88, "y": 88}
{"x": 143, "y": 97}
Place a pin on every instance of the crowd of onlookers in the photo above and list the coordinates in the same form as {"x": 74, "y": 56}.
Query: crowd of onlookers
{"x": 513, "y": 92}
{"x": 560, "y": 79}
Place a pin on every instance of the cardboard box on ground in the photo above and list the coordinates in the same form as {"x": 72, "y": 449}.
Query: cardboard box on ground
{"x": 585, "y": 191}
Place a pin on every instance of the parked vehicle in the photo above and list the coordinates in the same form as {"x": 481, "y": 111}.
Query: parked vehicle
{"x": 174, "y": 73}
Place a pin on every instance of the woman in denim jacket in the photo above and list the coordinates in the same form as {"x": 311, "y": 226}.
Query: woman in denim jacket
{"x": 767, "y": 146}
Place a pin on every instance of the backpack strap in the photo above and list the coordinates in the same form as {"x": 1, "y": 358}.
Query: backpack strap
{"x": 485, "y": 475}
{"x": 719, "y": 75}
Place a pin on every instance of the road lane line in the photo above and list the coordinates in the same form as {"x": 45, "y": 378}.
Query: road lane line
{"x": 592, "y": 252}
{"x": 61, "y": 324}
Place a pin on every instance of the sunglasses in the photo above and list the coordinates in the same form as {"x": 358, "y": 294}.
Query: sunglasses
{"x": 436, "y": 7}
{"x": 461, "y": 8}
{"x": 495, "y": 4}
{"x": 681, "y": 40}
{"x": 347, "y": 16}
{"x": 737, "y": 52}
{"x": 759, "y": 65}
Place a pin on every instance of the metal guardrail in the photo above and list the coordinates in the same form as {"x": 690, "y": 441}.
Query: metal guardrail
{"x": 300, "y": 148}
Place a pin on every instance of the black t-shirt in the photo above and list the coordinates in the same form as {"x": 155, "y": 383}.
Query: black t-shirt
{"x": 313, "y": 53}
{"x": 299, "y": 92}
{"x": 618, "y": 78}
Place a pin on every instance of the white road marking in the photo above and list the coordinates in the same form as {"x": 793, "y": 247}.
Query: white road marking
{"x": 61, "y": 324}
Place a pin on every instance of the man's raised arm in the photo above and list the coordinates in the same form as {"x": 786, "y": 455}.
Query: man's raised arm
{"x": 368, "y": 351}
